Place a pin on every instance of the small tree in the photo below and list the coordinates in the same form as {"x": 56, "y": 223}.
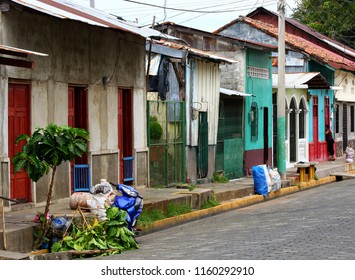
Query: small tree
{"x": 46, "y": 149}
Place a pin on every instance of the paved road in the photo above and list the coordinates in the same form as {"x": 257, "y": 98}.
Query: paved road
{"x": 316, "y": 224}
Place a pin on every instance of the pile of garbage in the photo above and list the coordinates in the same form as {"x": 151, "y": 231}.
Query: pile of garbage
{"x": 107, "y": 231}
{"x": 349, "y": 154}
{"x": 266, "y": 179}
{"x": 96, "y": 201}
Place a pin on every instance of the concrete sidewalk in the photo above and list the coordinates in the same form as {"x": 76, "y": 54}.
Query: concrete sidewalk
{"x": 234, "y": 194}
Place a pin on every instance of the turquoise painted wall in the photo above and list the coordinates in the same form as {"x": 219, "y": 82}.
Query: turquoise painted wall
{"x": 262, "y": 89}
{"x": 328, "y": 74}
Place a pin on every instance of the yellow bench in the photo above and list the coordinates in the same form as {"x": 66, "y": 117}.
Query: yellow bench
{"x": 306, "y": 166}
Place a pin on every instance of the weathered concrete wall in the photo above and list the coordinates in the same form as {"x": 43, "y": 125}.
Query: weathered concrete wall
{"x": 245, "y": 31}
{"x": 78, "y": 54}
{"x": 191, "y": 164}
{"x": 104, "y": 166}
{"x": 142, "y": 165}
{"x": 233, "y": 75}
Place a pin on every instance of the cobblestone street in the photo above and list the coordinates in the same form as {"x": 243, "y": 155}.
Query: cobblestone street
{"x": 315, "y": 224}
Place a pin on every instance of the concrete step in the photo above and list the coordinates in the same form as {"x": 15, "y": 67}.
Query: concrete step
{"x": 343, "y": 175}
{"x": 10, "y": 255}
{"x": 19, "y": 239}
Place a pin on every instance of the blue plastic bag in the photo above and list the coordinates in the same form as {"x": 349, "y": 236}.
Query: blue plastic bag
{"x": 260, "y": 180}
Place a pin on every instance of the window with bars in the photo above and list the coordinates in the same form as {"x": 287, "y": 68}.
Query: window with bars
{"x": 254, "y": 121}
{"x": 302, "y": 120}
{"x": 257, "y": 72}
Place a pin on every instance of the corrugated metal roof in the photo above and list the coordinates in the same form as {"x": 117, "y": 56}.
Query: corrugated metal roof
{"x": 193, "y": 31}
{"x": 309, "y": 80}
{"x": 233, "y": 92}
{"x": 16, "y": 51}
{"x": 67, "y": 10}
{"x": 197, "y": 52}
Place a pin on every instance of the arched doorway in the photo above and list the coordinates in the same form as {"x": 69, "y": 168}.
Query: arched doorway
{"x": 293, "y": 131}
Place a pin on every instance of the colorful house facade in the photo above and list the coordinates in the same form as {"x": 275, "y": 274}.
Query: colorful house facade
{"x": 244, "y": 127}
{"x": 302, "y": 56}
{"x": 185, "y": 104}
{"x": 339, "y": 71}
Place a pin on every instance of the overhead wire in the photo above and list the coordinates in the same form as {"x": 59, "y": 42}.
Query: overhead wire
{"x": 269, "y": 4}
{"x": 141, "y": 13}
{"x": 227, "y": 7}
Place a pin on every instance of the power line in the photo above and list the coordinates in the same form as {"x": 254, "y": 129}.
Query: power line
{"x": 244, "y": 9}
{"x": 186, "y": 10}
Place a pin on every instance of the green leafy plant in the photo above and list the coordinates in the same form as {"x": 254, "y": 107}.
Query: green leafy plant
{"x": 160, "y": 186}
{"x": 110, "y": 236}
{"x": 210, "y": 202}
{"x": 149, "y": 216}
{"x": 174, "y": 209}
{"x": 46, "y": 149}
{"x": 189, "y": 187}
{"x": 155, "y": 129}
{"x": 217, "y": 178}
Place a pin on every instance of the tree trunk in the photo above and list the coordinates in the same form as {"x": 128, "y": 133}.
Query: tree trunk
{"x": 44, "y": 227}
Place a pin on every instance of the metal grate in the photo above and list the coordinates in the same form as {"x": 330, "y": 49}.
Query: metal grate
{"x": 166, "y": 148}
{"x": 128, "y": 169}
{"x": 81, "y": 178}
{"x": 257, "y": 72}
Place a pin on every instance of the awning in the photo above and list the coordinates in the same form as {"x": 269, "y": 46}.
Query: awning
{"x": 18, "y": 52}
{"x": 306, "y": 80}
{"x": 234, "y": 92}
{"x": 6, "y": 52}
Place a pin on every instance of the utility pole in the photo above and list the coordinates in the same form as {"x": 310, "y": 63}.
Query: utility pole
{"x": 281, "y": 93}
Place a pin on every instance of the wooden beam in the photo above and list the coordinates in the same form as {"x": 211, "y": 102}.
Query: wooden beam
{"x": 17, "y": 62}
{"x": 15, "y": 53}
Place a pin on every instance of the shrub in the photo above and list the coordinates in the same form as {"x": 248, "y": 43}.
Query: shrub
{"x": 156, "y": 130}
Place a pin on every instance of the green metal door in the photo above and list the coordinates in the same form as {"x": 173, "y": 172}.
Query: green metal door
{"x": 233, "y": 158}
{"x": 230, "y": 149}
{"x": 220, "y": 139}
{"x": 166, "y": 142}
{"x": 202, "y": 150}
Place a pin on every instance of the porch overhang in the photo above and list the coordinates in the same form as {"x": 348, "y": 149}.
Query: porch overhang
{"x": 11, "y": 56}
{"x": 307, "y": 80}
{"x": 234, "y": 92}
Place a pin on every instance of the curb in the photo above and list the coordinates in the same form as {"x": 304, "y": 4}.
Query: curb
{"x": 193, "y": 216}
{"x": 231, "y": 205}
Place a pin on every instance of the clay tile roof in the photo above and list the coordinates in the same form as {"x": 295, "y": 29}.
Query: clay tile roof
{"x": 318, "y": 53}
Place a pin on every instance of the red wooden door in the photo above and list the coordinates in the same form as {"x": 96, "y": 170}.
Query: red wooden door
{"x": 315, "y": 128}
{"x": 125, "y": 122}
{"x": 77, "y": 113}
{"x": 327, "y": 111}
{"x": 77, "y": 117}
{"x": 18, "y": 123}
{"x": 71, "y": 122}
{"x": 71, "y": 107}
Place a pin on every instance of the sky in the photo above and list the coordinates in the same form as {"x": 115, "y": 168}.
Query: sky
{"x": 207, "y": 15}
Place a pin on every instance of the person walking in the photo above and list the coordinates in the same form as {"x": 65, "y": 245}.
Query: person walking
{"x": 330, "y": 143}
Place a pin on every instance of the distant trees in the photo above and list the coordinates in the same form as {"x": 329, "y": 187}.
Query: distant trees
{"x": 333, "y": 18}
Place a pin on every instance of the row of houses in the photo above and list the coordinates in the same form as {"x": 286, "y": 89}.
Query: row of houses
{"x": 165, "y": 105}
